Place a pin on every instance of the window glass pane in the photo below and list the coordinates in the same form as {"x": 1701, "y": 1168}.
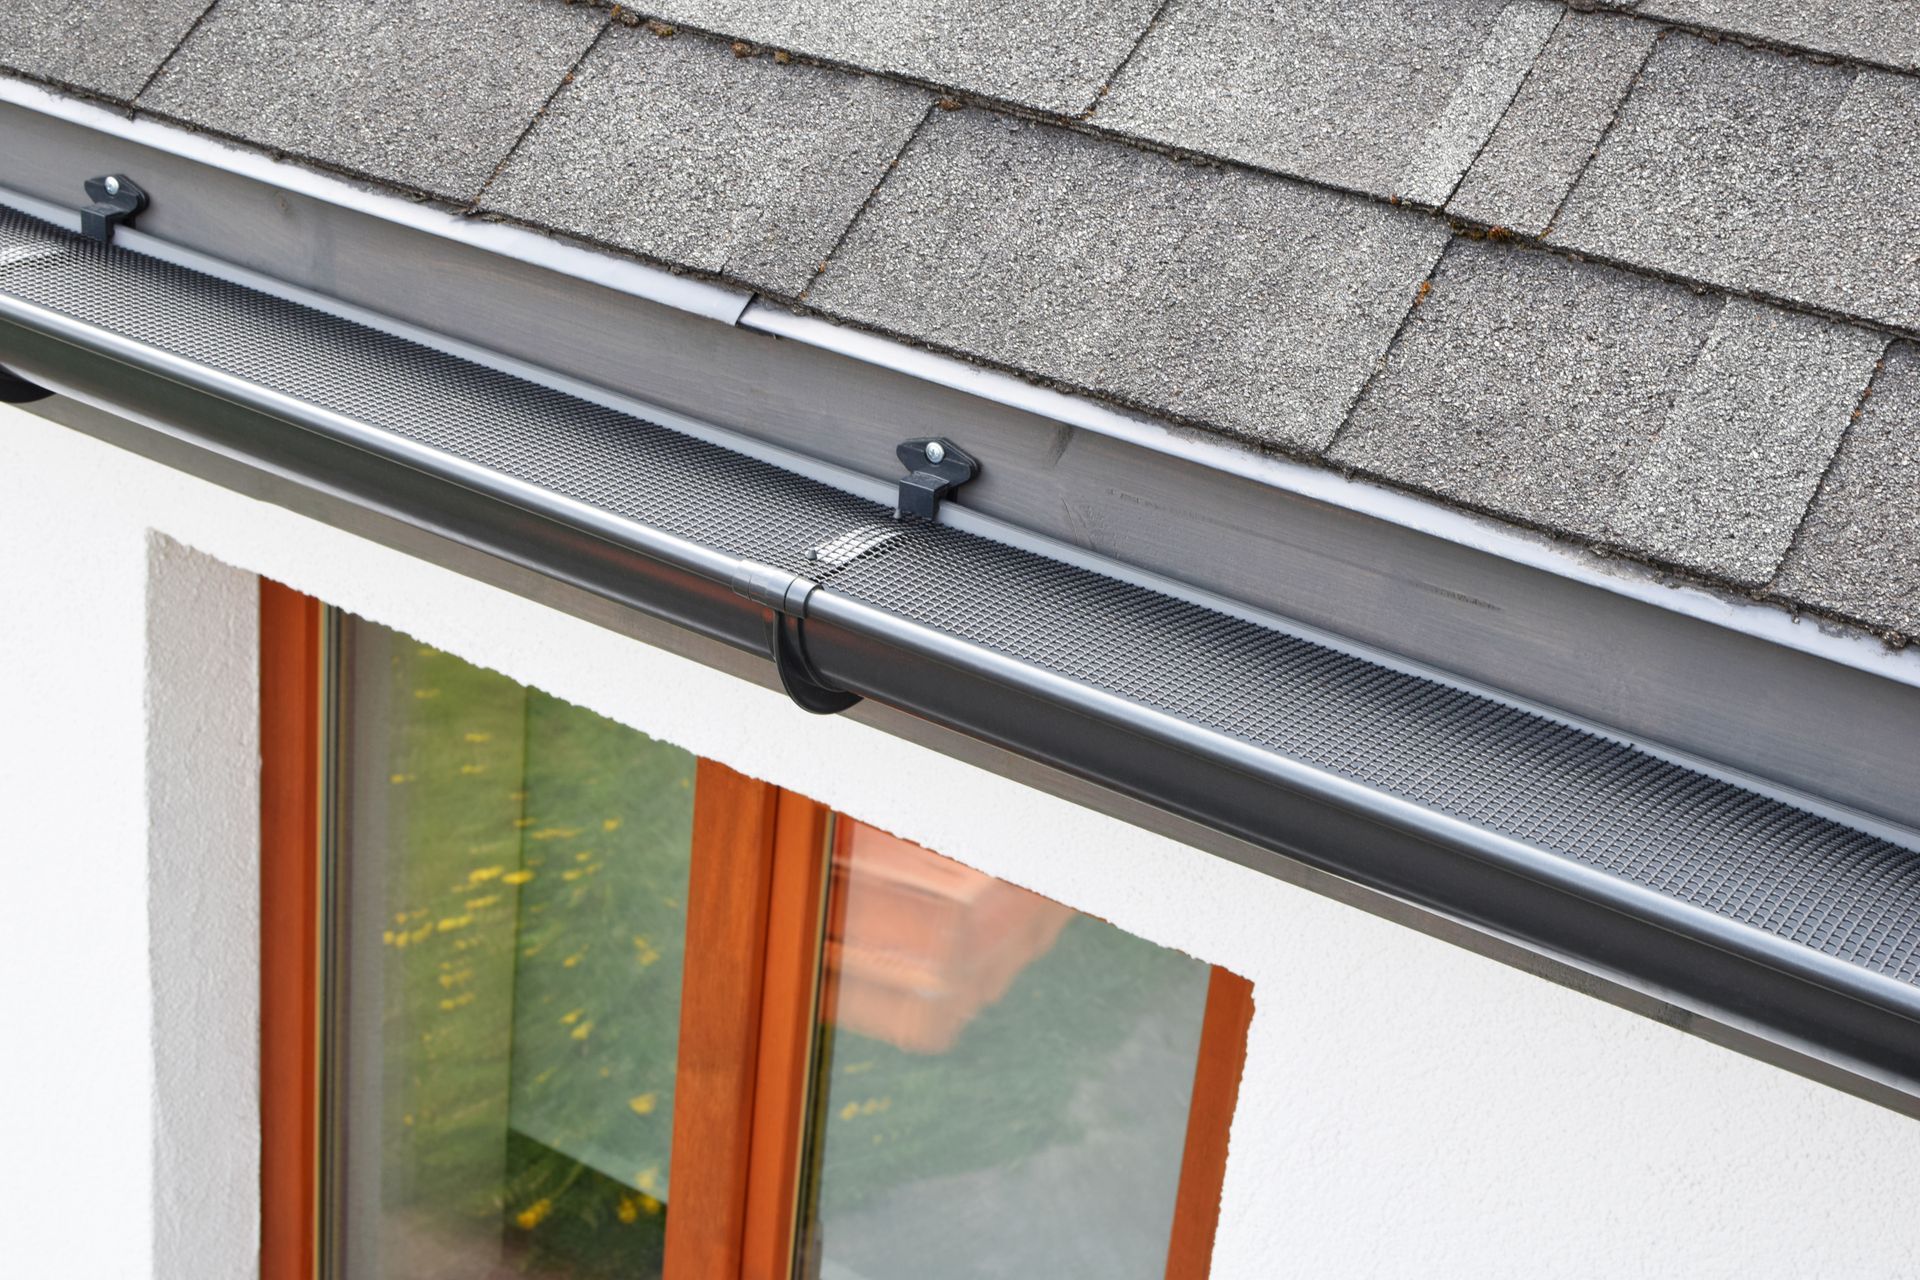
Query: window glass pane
{"x": 1003, "y": 1082}
{"x": 511, "y": 883}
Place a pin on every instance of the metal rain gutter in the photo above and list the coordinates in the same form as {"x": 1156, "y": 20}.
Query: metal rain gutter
{"x": 1690, "y": 888}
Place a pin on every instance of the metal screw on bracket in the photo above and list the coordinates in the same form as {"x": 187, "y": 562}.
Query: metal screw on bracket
{"x": 116, "y": 198}
{"x": 935, "y": 468}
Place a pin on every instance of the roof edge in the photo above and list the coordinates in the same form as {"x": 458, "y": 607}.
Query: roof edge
{"x": 1776, "y": 621}
{"x": 1613, "y": 644}
{"x": 620, "y": 273}
{"x": 1843, "y": 643}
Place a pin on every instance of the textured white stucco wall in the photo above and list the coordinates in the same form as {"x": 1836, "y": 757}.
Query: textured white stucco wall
{"x": 1408, "y": 1109}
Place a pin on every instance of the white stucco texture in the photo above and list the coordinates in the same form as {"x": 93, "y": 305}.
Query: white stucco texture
{"x": 1408, "y": 1108}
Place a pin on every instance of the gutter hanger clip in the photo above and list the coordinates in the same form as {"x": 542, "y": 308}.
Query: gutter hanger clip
{"x": 116, "y": 198}
{"x": 784, "y": 596}
{"x": 935, "y": 468}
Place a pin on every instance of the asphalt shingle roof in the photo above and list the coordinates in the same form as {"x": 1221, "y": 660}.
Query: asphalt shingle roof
{"x": 1545, "y": 139}
{"x": 416, "y": 92}
{"x": 1388, "y": 97}
{"x": 1053, "y": 55}
{"x": 1623, "y": 409}
{"x": 681, "y": 151}
{"x": 1613, "y": 270}
{"x": 1886, "y": 32}
{"x": 1762, "y": 171}
{"x": 1855, "y": 554}
{"x": 1204, "y": 293}
{"x": 77, "y": 42}
{"x": 1529, "y": 385}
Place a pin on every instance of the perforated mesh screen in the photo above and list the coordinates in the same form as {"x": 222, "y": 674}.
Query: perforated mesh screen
{"x": 1743, "y": 856}
{"x": 1712, "y": 844}
{"x": 611, "y": 460}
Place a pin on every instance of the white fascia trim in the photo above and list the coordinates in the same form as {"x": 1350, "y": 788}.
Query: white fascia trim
{"x": 618, "y": 273}
{"x": 1762, "y": 621}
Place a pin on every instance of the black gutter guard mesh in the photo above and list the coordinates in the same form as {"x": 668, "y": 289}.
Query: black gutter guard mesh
{"x": 1743, "y": 856}
{"x": 596, "y": 455}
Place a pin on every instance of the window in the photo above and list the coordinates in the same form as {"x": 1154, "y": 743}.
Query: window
{"x": 546, "y": 997}
{"x": 1003, "y": 1083}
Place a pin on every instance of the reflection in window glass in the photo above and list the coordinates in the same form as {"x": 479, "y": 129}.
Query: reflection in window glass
{"x": 1003, "y": 1082}
{"x": 512, "y": 880}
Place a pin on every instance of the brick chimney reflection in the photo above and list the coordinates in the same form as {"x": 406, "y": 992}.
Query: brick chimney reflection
{"x": 918, "y": 945}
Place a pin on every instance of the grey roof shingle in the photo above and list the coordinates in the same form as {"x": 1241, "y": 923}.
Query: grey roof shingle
{"x": 1548, "y": 134}
{"x": 1390, "y": 97}
{"x": 1255, "y": 304}
{"x": 1858, "y": 555}
{"x": 685, "y": 153}
{"x": 1882, "y": 31}
{"x": 81, "y": 43}
{"x": 1752, "y": 430}
{"x": 1050, "y": 54}
{"x": 423, "y": 94}
{"x": 1683, "y": 427}
{"x": 1528, "y": 385}
{"x": 1762, "y": 171}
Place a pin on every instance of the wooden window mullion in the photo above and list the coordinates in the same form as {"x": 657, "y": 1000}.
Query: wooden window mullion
{"x": 746, "y": 1027}
{"x": 728, "y": 895}
{"x": 794, "y": 939}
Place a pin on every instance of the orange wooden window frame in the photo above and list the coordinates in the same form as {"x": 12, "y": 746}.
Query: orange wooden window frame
{"x": 745, "y": 1014}
{"x": 795, "y": 937}
{"x": 755, "y": 935}
{"x": 1216, "y": 1091}
{"x": 290, "y": 797}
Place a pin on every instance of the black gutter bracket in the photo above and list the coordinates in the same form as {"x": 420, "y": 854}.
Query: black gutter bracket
{"x": 116, "y": 198}
{"x": 935, "y": 468}
{"x": 784, "y": 596}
